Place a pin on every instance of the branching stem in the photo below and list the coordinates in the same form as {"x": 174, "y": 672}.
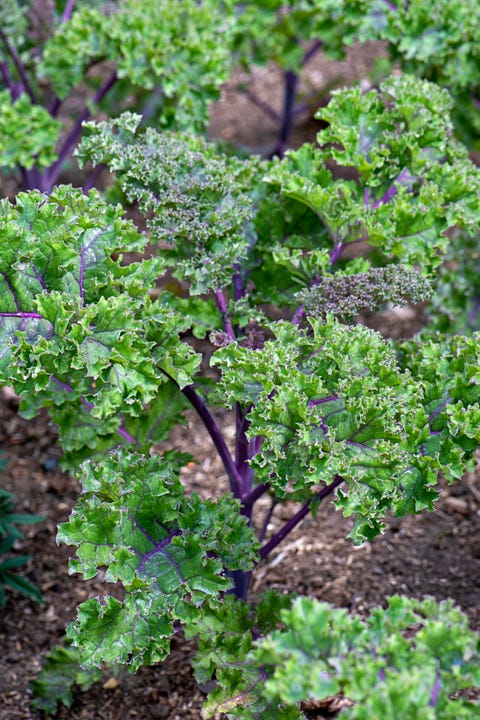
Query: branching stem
{"x": 298, "y": 517}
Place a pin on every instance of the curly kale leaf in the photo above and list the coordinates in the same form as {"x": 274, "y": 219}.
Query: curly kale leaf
{"x": 28, "y": 134}
{"x": 192, "y": 196}
{"x": 438, "y": 41}
{"x": 179, "y": 49}
{"x": 80, "y": 334}
{"x": 331, "y": 401}
{"x": 172, "y": 553}
{"x": 405, "y": 661}
{"x": 412, "y": 181}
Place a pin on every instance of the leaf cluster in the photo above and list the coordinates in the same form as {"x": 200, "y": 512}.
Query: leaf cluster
{"x": 172, "y": 552}
{"x": 437, "y": 41}
{"x": 80, "y": 333}
{"x": 180, "y": 47}
{"x": 403, "y": 661}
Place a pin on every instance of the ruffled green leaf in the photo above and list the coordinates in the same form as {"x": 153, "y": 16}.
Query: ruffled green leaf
{"x": 171, "y": 552}
{"x": 193, "y": 196}
{"x": 80, "y": 333}
{"x": 332, "y": 402}
{"x": 407, "y": 660}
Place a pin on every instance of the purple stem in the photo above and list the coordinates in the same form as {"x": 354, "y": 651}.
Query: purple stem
{"x": 238, "y": 279}
{"x": 51, "y": 175}
{"x": 234, "y": 477}
{"x": 92, "y": 178}
{"x": 298, "y": 517}
{"x": 19, "y": 66}
{"x": 67, "y": 13}
{"x": 222, "y": 304}
{"x": 14, "y": 88}
{"x": 290, "y": 79}
{"x": 254, "y": 494}
{"x": 268, "y": 517}
{"x": 436, "y": 690}
{"x": 298, "y": 315}
{"x": 243, "y": 452}
{"x": 313, "y": 49}
{"x": 336, "y": 253}
{"x": 54, "y": 106}
{"x": 263, "y": 106}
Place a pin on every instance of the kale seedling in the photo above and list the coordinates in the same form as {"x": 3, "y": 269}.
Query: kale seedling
{"x": 9, "y": 561}
{"x": 323, "y": 407}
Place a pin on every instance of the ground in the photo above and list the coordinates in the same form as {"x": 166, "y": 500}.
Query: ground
{"x": 434, "y": 553}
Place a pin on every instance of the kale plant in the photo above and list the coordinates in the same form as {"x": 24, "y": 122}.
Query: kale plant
{"x": 324, "y": 407}
{"x": 166, "y": 59}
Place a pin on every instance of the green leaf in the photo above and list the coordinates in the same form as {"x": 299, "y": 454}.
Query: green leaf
{"x": 61, "y": 672}
{"x": 80, "y": 333}
{"x": 28, "y": 133}
{"x": 175, "y": 54}
{"x": 330, "y": 401}
{"x": 405, "y": 661}
{"x": 171, "y": 552}
{"x": 193, "y": 195}
{"x": 414, "y": 181}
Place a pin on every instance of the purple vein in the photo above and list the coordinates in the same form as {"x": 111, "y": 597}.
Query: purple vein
{"x": 436, "y": 412}
{"x": 142, "y": 529}
{"x": 82, "y": 272}
{"x": 331, "y": 398}
{"x": 359, "y": 444}
{"x": 11, "y": 290}
{"x": 391, "y": 191}
{"x": 39, "y": 278}
{"x": 160, "y": 548}
{"x": 21, "y": 314}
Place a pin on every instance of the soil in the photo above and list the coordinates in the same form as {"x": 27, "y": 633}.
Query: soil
{"x": 434, "y": 554}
